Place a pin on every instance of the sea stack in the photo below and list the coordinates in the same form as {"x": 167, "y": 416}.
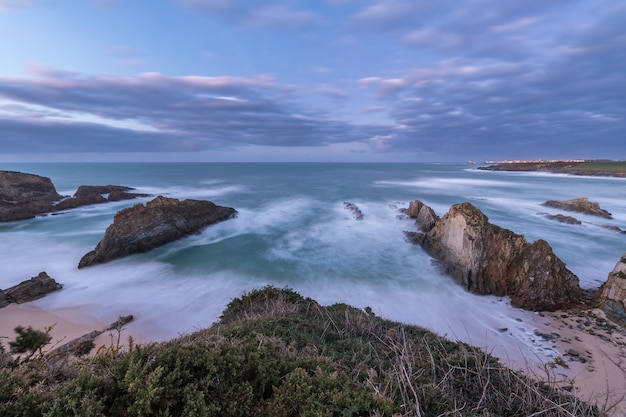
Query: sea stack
{"x": 487, "y": 259}
{"x": 142, "y": 228}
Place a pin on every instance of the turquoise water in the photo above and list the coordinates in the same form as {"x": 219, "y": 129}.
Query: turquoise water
{"x": 293, "y": 230}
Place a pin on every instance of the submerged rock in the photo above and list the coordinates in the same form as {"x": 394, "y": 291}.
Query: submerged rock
{"x": 31, "y": 289}
{"x": 356, "y": 211}
{"x": 23, "y": 196}
{"x": 563, "y": 218}
{"x": 613, "y": 293}
{"x": 487, "y": 259}
{"x": 580, "y": 205}
{"x": 162, "y": 220}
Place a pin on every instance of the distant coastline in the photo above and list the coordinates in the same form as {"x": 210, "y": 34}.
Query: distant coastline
{"x": 601, "y": 168}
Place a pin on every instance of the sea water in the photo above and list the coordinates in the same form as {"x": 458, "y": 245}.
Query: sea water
{"x": 292, "y": 230}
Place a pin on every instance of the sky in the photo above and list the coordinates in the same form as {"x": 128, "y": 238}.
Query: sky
{"x": 304, "y": 81}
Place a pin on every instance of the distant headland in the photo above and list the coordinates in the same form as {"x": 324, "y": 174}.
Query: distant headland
{"x": 594, "y": 167}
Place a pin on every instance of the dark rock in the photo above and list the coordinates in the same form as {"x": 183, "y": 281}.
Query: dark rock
{"x": 580, "y": 205}
{"x": 32, "y": 289}
{"x": 3, "y": 299}
{"x": 563, "y": 219}
{"x": 23, "y": 196}
{"x": 162, "y": 220}
{"x": 487, "y": 259}
{"x": 70, "y": 203}
{"x": 612, "y": 294}
{"x": 356, "y": 211}
{"x": 614, "y": 228}
{"x": 95, "y": 194}
{"x": 87, "y": 190}
{"x": 425, "y": 217}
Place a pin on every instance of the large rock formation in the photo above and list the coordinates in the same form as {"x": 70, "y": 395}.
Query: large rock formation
{"x": 613, "y": 293}
{"x": 162, "y": 220}
{"x": 29, "y": 290}
{"x": 487, "y": 259}
{"x": 23, "y": 196}
{"x": 580, "y": 205}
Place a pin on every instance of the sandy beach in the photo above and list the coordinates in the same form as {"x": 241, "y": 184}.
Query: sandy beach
{"x": 593, "y": 353}
{"x": 65, "y": 325}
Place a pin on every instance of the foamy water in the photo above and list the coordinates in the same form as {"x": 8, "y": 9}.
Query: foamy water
{"x": 293, "y": 230}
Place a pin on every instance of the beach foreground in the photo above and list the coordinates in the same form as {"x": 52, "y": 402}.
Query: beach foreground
{"x": 590, "y": 365}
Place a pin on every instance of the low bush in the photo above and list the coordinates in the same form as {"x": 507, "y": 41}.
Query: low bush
{"x": 275, "y": 353}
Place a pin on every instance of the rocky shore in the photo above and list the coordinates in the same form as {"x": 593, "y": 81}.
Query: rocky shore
{"x": 592, "y": 168}
{"x": 24, "y": 196}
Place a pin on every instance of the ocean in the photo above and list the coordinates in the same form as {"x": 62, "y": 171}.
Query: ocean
{"x": 292, "y": 230}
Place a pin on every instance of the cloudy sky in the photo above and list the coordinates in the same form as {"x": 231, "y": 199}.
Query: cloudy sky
{"x": 325, "y": 80}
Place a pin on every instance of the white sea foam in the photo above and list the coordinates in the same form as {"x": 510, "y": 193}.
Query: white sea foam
{"x": 293, "y": 230}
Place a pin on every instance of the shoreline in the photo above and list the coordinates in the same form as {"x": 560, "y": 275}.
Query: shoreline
{"x": 589, "y": 365}
{"x": 610, "y": 169}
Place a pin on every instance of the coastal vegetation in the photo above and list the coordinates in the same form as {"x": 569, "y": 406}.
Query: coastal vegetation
{"x": 276, "y": 353}
{"x": 572, "y": 167}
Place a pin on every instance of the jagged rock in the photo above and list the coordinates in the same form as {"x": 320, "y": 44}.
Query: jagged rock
{"x": 563, "y": 219}
{"x": 23, "y": 196}
{"x": 356, "y": 211}
{"x": 580, "y": 205}
{"x": 487, "y": 259}
{"x": 162, "y": 220}
{"x": 95, "y": 194}
{"x": 613, "y": 293}
{"x": 32, "y": 289}
{"x": 425, "y": 217}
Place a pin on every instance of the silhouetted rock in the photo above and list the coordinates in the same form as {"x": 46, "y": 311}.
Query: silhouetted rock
{"x": 162, "y": 220}
{"x": 32, "y": 289}
{"x": 23, "y": 196}
{"x": 487, "y": 259}
{"x": 580, "y": 205}
{"x": 613, "y": 293}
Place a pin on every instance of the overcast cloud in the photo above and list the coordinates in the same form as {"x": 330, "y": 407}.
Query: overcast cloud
{"x": 434, "y": 80}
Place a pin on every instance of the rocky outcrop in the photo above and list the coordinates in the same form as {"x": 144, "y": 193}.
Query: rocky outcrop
{"x": 613, "y": 293}
{"x": 30, "y": 290}
{"x": 580, "y": 205}
{"x": 425, "y": 217}
{"x": 487, "y": 259}
{"x": 162, "y": 220}
{"x": 23, "y": 196}
{"x": 356, "y": 211}
{"x": 96, "y": 194}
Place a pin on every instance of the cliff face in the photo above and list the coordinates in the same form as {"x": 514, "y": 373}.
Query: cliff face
{"x": 487, "y": 259}
{"x": 613, "y": 292}
{"x": 162, "y": 220}
{"x": 23, "y": 196}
